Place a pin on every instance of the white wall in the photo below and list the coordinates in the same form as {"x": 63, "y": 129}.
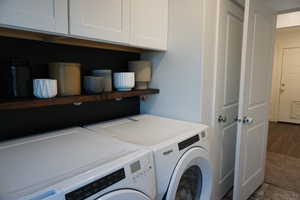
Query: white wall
{"x": 285, "y": 38}
{"x": 185, "y": 74}
{"x": 177, "y": 73}
{"x": 288, "y": 20}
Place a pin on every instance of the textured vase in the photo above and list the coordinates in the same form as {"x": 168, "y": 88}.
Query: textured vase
{"x": 124, "y": 81}
{"x": 44, "y": 88}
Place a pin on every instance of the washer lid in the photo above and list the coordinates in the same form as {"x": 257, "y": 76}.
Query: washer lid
{"x": 30, "y": 164}
{"x": 147, "y": 130}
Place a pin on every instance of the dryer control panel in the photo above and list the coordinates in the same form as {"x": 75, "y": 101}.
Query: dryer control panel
{"x": 188, "y": 142}
{"x": 96, "y": 186}
{"x": 141, "y": 169}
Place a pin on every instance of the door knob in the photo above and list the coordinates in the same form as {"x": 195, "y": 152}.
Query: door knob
{"x": 248, "y": 120}
{"x": 282, "y": 88}
{"x": 222, "y": 119}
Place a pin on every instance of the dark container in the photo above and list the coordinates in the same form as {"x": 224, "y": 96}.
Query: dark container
{"x": 15, "y": 78}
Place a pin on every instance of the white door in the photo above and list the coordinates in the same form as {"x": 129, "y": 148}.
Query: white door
{"x": 255, "y": 89}
{"x": 227, "y": 91}
{"x": 289, "y": 103}
{"x": 124, "y": 194}
{"x": 46, "y": 15}
{"x": 106, "y": 20}
{"x": 149, "y": 23}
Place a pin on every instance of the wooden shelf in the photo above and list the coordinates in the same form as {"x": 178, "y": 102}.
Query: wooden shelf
{"x": 66, "y": 40}
{"x": 77, "y": 100}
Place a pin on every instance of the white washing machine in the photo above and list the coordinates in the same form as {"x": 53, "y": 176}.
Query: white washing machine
{"x": 183, "y": 169}
{"x": 75, "y": 164}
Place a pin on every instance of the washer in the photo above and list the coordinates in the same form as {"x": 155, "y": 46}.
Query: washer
{"x": 183, "y": 169}
{"x": 75, "y": 164}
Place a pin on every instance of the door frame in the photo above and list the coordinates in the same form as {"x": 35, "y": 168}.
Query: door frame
{"x": 280, "y": 46}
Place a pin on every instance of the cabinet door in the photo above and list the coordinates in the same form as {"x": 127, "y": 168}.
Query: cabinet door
{"x": 45, "y": 15}
{"x": 106, "y": 20}
{"x": 149, "y": 23}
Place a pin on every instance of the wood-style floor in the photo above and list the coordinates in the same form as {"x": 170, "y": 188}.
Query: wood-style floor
{"x": 284, "y": 139}
{"x": 269, "y": 192}
{"x": 283, "y": 157}
{"x": 282, "y": 165}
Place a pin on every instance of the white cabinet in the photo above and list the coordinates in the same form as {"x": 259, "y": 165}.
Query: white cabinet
{"x": 149, "y": 23}
{"x": 100, "y": 19}
{"x": 45, "y": 15}
{"x": 137, "y": 23}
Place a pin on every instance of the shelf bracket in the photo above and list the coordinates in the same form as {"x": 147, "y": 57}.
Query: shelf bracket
{"x": 144, "y": 98}
{"x": 77, "y": 103}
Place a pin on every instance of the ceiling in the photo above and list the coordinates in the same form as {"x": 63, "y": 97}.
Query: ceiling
{"x": 279, "y": 5}
{"x": 284, "y": 5}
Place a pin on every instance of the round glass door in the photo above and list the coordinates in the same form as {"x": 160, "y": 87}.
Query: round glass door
{"x": 192, "y": 177}
{"x": 124, "y": 194}
{"x": 190, "y": 184}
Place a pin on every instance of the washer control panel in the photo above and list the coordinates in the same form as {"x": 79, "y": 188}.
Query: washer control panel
{"x": 140, "y": 169}
{"x": 96, "y": 186}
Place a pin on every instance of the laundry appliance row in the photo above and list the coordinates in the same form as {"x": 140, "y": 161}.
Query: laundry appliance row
{"x": 142, "y": 157}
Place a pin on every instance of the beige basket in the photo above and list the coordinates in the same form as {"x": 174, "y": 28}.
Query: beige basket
{"x": 68, "y": 78}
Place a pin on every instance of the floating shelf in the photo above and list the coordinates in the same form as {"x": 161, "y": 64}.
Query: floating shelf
{"x": 66, "y": 40}
{"x": 77, "y": 100}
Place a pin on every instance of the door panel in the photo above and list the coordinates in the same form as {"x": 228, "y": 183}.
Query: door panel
{"x": 256, "y": 73}
{"x": 289, "y": 107}
{"x": 254, "y": 158}
{"x": 229, "y": 139}
{"x": 233, "y": 58}
{"x": 46, "y": 15}
{"x": 149, "y": 23}
{"x": 227, "y": 91}
{"x": 258, "y": 86}
{"x": 100, "y": 19}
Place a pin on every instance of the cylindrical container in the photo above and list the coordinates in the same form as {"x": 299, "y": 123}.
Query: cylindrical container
{"x": 93, "y": 84}
{"x": 15, "y": 78}
{"x": 67, "y": 76}
{"x": 44, "y": 88}
{"x": 124, "y": 81}
{"x": 142, "y": 70}
{"x": 107, "y": 78}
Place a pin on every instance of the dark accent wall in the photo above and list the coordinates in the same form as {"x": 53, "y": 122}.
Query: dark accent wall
{"x": 20, "y": 123}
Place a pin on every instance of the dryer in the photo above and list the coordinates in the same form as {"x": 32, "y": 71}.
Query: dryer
{"x": 75, "y": 164}
{"x": 183, "y": 167}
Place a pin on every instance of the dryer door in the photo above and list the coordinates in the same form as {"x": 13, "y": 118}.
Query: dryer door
{"x": 192, "y": 177}
{"x": 125, "y": 194}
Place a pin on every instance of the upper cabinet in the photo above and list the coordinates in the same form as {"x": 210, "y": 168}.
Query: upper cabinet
{"x": 45, "y": 15}
{"x": 149, "y": 23}
{"x": 107, "y": 20}
{"x": 135, "y": 23}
